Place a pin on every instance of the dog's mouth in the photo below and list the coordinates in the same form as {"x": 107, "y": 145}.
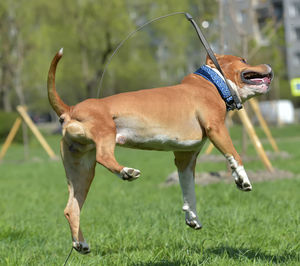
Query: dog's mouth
{"x": 256, "y": 78}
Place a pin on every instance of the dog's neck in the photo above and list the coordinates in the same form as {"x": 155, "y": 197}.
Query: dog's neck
{"x": 216, "y": 78}
{"x": 217, "y": 72}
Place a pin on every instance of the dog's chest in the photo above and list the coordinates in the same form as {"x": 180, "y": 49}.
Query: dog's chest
{"x": 150, "y": 135}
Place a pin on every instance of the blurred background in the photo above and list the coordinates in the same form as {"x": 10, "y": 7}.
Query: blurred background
{"x": 141, "y": 222}
{"x": 31, "y": 32}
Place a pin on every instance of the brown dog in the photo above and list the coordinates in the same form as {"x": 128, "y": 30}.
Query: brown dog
{"x": 177, "y": 118}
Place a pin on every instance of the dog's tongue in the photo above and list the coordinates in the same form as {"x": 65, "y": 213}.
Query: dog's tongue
{"x": 261, "y": 80}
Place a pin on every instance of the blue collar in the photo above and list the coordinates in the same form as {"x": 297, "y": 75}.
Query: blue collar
{"x": 216, "y": 79}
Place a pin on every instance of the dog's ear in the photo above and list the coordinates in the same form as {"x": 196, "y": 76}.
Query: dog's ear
{"x": 209, "y": 62}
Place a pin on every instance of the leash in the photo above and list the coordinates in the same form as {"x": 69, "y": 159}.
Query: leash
{"x": 129, "y": 36}
{"x": 68, "y": 256}
{"x": 235, "y": 103}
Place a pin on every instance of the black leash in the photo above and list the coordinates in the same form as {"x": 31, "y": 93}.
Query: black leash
{"x": 234, "y": 104}
{"x": 65, "y": 263}
{"x": 129, "y": 36}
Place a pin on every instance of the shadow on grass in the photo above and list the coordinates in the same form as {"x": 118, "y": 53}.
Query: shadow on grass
{"x": 251, "y": 254}
{"x": 238, "y": 254}
{"x": 210, "y": 254}
{"x": 11, "y": 234}
{"x": 161, "y": 263}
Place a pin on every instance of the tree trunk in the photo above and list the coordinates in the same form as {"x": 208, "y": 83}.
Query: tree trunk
{"x": 5, "y": 93}
{"x": 18, "y": 71}
{"x": 91, "y": 84}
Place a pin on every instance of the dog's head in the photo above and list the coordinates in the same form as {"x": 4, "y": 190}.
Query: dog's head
{"x": 247, "y": 80}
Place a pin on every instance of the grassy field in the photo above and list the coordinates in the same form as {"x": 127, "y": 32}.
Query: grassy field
{"x": 141, "y": 223}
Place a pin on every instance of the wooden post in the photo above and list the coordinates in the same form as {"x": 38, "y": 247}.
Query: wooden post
{"x": 256, "y": 142}
{"x": 209, "y": 148}
{"x": 35, "y": 131}
{"x": 12, "y": 133}
{"x": 25, "y": 140}
{"x": 263, "y": 124}
{"x": 244, "y": 135}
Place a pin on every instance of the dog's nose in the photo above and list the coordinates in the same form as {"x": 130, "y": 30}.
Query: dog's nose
{"x": 271, "y": 73}
{"x": 269, "y": 68}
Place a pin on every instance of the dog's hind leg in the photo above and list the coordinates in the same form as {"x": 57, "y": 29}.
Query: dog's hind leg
{"x": 80, "y": 170}
{"x": 105, "y": 145}
{"x": 186, "y": 162}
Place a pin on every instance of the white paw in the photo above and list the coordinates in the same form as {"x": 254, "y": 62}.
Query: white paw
{"x": 193, "y": 223}
{"x": 241, "y": 179}
{"x": 81, "y": 247}
{"x": 129, "y": 174}
{"x": 191, "y": 218}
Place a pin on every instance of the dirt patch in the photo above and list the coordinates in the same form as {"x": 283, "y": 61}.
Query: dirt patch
{"x": 207, "y": 178}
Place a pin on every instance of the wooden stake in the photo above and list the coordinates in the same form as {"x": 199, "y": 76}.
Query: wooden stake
{"x": 209, "y": 148}
{"x": 35, "y": 131}
{"x": 251, "y": 132}
{"x": 256, "y": 142}
{"x": 12, "y": 133}
{"x": 263, "y": 123}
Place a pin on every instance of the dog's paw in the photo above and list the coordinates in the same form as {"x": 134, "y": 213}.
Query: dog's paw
{"x": 193, "y": 223}
{"x": 242, "y": 185}
{"x": 81, "y": 247}
{"x": 191, "y": 218}
{"x": 129, "y": 174}
{"x": 241, "y": 179}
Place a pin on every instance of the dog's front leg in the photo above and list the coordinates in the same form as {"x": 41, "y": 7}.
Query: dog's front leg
{"x": 185, "y": 162}
{"x": 80, "y": 170}
{"x": 219, "y": 136}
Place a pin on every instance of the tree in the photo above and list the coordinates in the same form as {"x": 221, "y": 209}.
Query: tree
{"x": 32, "y": 31}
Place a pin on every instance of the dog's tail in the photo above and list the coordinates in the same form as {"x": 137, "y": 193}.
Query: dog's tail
{"x": 56, "y": 102}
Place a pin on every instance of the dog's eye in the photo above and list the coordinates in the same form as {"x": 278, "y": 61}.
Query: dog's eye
{"x": 243, "y": 61}
{"x": 61, "y": 120}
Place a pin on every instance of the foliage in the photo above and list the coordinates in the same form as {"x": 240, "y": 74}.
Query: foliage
{"x": 160, "y": 54}
{"x": 275, "y": 55}
{"x": 32, "y": 31}
{"x": 7, "y": 121}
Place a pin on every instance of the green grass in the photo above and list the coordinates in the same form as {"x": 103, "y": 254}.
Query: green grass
{"x": 141, "y": 223}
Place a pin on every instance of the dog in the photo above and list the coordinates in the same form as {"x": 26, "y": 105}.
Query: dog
{"x": 177, "y": 118}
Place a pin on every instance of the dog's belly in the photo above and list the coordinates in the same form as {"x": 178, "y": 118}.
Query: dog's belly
{"x": 159, "y": 143}
{"x": 135, "y": 133}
